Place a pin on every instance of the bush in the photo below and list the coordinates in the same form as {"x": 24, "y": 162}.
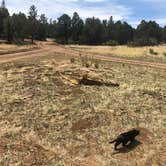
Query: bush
{"x": 97, "y": 65}
{"x": 111, "y": 43}
{"x": 131, "y": 44}
{"x": 85, "y": 62}
{"x": 153, "y": 42}
{"x": 151, "y": 51}
{"x": 18, "y": 41}
{"x": 164, "y": 54}
{"x": 70, "y": 41}
{"x": 143, "y": 42}
{"x": 87, "y": 65}
{"x": 72, "y": 60}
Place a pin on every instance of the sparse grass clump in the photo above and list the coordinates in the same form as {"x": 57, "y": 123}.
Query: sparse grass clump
{"x": 97, "y": 65}
{"x": 151, "y": 51}
{"x": 111, "y": 43}
{"x": 89, "y": 62}
{"x": 72, "y": 60}
{"x": 86, "y": 62}
{"x": 164, "y": 54}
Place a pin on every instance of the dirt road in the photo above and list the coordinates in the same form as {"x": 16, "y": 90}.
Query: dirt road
{"x": 47, "y": 48}
{"x": 44, "y": 49}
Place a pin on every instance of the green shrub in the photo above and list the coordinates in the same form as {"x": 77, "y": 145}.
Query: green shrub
{"x": 131, "y": 44}
{"x": 138, "y": 42}
{"x": 111, "y": 43}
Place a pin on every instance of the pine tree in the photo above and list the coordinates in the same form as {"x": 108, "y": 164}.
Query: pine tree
{"x": 33, "y": 22}
{"x": 3, "y": 15}
{"x": 3, "y": 4}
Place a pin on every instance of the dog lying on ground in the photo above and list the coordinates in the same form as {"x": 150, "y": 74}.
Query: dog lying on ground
{"x": 124, "y": 138}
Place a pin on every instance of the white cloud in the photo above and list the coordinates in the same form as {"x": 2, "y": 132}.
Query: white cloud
{"x": 95, "y": 0}
{"x": 86, "y": 8}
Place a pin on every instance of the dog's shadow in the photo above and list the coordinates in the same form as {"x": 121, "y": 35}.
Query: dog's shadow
{"x": 128, "y": 148}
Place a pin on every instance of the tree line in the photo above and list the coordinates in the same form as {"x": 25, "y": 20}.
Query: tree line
{"x": 74, "y": 30}
{"x": 18, "y": 27}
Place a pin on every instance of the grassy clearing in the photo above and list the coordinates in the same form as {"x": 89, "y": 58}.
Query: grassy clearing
{"x": 124, "y": 51}
{"x": 46, "y": 118}
{"x": 11, "y": 48}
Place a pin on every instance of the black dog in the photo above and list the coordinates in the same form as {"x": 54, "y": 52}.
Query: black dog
{"x": 124, "y": 138}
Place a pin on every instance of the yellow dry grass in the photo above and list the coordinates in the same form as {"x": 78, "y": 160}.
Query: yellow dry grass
{"x": 12, "y": 48}
{"x": 46, "y": 120}
{"x": 134, "y": 52}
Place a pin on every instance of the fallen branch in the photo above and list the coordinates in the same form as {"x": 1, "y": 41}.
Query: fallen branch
{"x": 87, "y": 81}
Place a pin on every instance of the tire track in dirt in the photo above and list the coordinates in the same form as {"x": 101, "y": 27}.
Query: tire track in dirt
{"x": 44, "y": 49}
{"x": 49, "y": 48}
{"x": 159, "y": 65}
{"x": 132, "y": 62}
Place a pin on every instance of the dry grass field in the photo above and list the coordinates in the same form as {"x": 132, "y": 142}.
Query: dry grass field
{"x": 144, "y": 53}
{"x": 11, "y": 48}
{"x": 47, "y": 118}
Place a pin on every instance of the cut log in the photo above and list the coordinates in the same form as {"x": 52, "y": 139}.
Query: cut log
{"x": 90, "y": 82}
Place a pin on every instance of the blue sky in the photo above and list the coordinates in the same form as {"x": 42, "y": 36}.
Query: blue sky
{"x": 132, "y": 11}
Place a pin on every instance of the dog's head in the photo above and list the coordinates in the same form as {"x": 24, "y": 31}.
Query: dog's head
{"x": 136, "y": 132}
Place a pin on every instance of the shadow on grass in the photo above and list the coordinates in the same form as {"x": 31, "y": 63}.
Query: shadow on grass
{"x": 128, "y": 148}
{"x": 90, "y": 82}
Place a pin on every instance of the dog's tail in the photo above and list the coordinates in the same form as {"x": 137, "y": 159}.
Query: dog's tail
{"x": 111, "y": 142}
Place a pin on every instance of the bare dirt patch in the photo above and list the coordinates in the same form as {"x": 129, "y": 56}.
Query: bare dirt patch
{"x": 91, "y": 122}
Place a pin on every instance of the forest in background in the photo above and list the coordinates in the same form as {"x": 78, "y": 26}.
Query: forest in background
{"x": 74, "y": 30}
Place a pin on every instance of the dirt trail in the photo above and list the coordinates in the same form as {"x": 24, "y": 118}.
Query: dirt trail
{"x": 47, "y": 48}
